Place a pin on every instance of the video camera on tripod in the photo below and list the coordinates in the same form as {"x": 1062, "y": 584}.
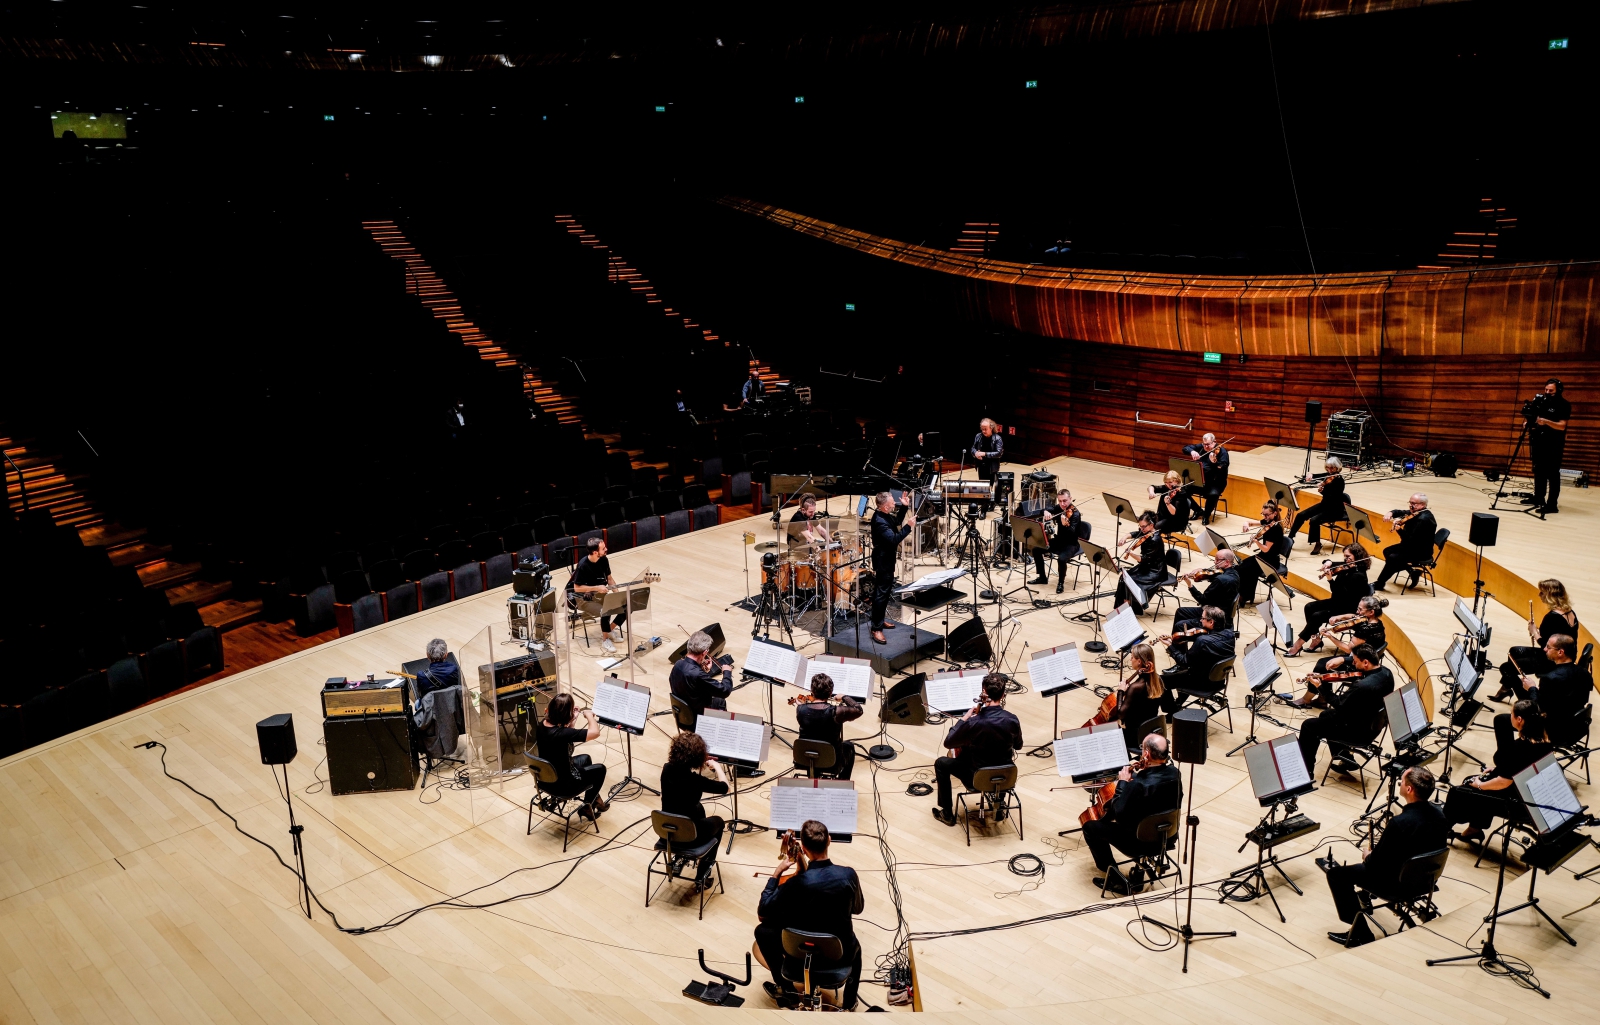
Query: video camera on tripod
{"x": 1539, "y": 405}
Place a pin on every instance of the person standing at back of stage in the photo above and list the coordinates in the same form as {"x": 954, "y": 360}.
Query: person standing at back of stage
{"x": 987, "y": 449}
{"x": 1547, "y": 444}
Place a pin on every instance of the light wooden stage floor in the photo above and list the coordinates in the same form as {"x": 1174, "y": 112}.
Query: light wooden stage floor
{"x": 123, "y": 897}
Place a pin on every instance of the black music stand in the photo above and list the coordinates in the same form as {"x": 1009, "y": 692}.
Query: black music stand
{"x": 1281, "y": 493}
{"x": 1098, "y": 559}
{"x": 1027, "y": 535}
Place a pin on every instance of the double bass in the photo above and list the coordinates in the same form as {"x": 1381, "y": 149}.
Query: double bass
{"x": 1103, "y": 796}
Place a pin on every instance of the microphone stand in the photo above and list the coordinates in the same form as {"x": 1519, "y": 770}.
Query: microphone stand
{"x": 1191, "y": 838}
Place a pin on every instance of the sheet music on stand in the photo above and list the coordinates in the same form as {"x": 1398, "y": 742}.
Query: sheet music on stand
{"x": 1455, "y": 657}
{"x": 852, "y": 676}
{"x": 1133, "y": 587}
{"x": 1468, "y": 680}
{"x": 1408, "y": 720}
{"x": 1548, "y": 796}
{"x": 832, "y": 802}
{"x": 1260, "y": 663}
{"x": 1056, "y": 669}
{"x": 954, "y": 692}
{"x": 732, "y": 737}
{"x": 1277, "y": 770}
{"x": 932, "y": 580}
{"x": 774, "y": 660}
{"x": 1280, "y": 623}
{"x": 1123, "y": 629}
{"x": 622, "y": 705}
{"x": 1467, "y": 618}
{"x": 1091, "y": 752}
{"x": 1207, "y": 544}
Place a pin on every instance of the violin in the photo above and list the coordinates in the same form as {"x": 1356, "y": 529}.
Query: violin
{"x": 806, "y": 699}
{"x": 1134, "y": 538}
{"x": 1193, "y": 631}
{"x": 1316, "y": 680}
{"x": 1400, "y": 517}
{"x": 1199, "y": 575}
{"x": 1338, "y": 623}
{"x": 1103, "y": 796}
{"x": 1330, "y": 570}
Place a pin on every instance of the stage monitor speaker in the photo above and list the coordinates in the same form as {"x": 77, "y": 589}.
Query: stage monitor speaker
{"x": 1189, "y": 736}
{"x": 902, "y": 705}
{"x": 369, "y": 755}
{"x": 1444, "y": 465}
{"x": 1485, "y": 528}
{"x": 1313, "y": 412}
{"x": 969, "y": 642}
{"x": 275, "y": 735}
{"x": 718, "y": 642}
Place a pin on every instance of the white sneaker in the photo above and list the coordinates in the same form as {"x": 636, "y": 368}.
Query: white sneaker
{"x": 607, "y": 647}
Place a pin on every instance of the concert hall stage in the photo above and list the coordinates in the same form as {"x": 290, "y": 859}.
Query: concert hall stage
{"x": 125, "y": 897}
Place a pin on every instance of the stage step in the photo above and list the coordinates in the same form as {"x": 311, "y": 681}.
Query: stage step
{"x": 139, "y": 553}
{"x": 166, "y": 574}
{"x": 201, "y": 592}
{"x": 229, "y": 614}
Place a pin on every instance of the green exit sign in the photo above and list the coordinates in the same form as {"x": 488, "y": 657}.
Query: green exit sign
{"x": 327, "y": 117}
{"x": 1213, "y": 357}
{"x": 850, "y": 306}
{"x": 1558, "y": 44}
{"x": 799, "y": 99}
{"x": 1032, "y": 83}
{"x": 660, "y": 109}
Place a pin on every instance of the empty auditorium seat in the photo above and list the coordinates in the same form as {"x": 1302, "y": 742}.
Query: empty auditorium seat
{"x": 350, "y": 585}
{"x": 696, "y": 495}
{"x": 675, "y": 523}
{"x": 202, "y": 651}
{"x": 435, "y": 589}
{"x": 125, "y": 682}
{"x": 375, "y": 553}
{"x": 558, "y": 553}
{"x": 580, "y": 543}
{"x": 466, "y": 579}
{"x": 736, "y": 488}
{"x": 618, "y": 493}
{"x": 44, "y": 716}
{"x": 454, "y": 553}
{"x": 547, "y": 528}
{"x": 385, "y": 574}
{"x": 88, "y": 700}
{"x": 706, "y": 515}
{"x": 638, "y": 507}
{"x": 618, "y": 467}
{"x": 578, "y": 521}
{"x": 710, "y": 472}
{"x": 668, "y": 501}
{"x": 366, "y": 612}
{"x": 517, "y": 536}
{"x": 646, "y": 530}
{"x": 619, "y": 537}
{"x": 400, "y": 600}
{"x": 530, "y": 553}
{"x": 163, "y": 665}
{"x": 608, "y": 514}
{"x": 340, "y": 563}
{"x": 486, "y": 544}
{"x": 646, "y": 480}
{"x": 497, "y": 570}
{"x": 419, "y": 563}
{"x": 316, "y": 614}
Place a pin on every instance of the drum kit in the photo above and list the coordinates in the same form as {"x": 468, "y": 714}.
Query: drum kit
{"x": 811, "y": 575}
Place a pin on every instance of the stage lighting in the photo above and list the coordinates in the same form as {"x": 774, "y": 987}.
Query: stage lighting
{"x": 432, "y": 60}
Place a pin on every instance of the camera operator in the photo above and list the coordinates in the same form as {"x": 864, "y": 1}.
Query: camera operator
{"x": 1547, "y": 415}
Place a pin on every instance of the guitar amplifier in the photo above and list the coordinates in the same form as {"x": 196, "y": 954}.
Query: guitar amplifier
{"x": 341, "y": 697}
{"x": 514, "y": 679}
{"x": 369, "y": 754}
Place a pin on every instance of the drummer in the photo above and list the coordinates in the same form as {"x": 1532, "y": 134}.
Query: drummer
{"x": 808, "y": 511}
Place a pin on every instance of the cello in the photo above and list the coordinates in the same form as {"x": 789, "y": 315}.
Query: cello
{"x": 1107, "y": 712}
{"x": 1104, "y": 795}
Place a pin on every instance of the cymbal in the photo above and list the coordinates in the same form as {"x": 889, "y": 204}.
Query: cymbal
{"x": 768, "y": 546}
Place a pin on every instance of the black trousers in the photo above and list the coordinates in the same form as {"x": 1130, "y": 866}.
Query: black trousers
{"x": 1547, "y": 472}
{"x": 710, "y": 827}
{"x": 618, "y": 619}
{"x": 769, "y": 938}
{"x": 1318, "y": 613}
{"x": 1213, "y": 494}
{"x": 1396, "y": 559}
{"x": 844, "y": 760}
{"x": 961, "y": 767}
{"x": 1313, "y": 731}
{"x": 1316, "y": 517}
{"x": 1061, "y": 557}
{"x": 591, "y": 778}
{"x": 1478, "y": 808}
{"x": 883, "y": 585}
{"x": 988, "y": 468}
{"x": 1249, "y": 577}
{"x": 1533, "y": 663}
{"x": 1342, "y": 882}
{"x": 1101, "y": 835}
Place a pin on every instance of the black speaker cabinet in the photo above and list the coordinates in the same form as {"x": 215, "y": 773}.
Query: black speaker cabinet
{"x": 969, "y": 642}
{"x": 1445, "y": 465}
{"x": 1313, "y": 412}
{"x": 1485, "y": 528}
{"x": 902, "y": 705}
{"x": 1189, "y": 736}
{"x": 275, "y": 735}
{"x": 369, "y": 754}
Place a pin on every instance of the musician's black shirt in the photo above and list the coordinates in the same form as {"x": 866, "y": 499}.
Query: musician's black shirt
{"x": 820, "y": 720}
{"x": 1420, "y": 828}
{"x": 1215, "y": 474}
{"x": 1563, "y": 691}
{"x": 1068, "y": 529}
{"x": 587, "y": 572}
{"x": 886, "y": 537}
{"x": 1553, "y": 407}
{"x": 1201, "y": 654}
{"x": 1358, "y": 705}
{"x": 1150, "y": 792}
{"x": 1416, "y": 536}
{"x": 1271, "y": 544}
{"x": 1332, "y": 501}
{"x": 698, "y": 687}
{"x": 991, "y": 444}
{"x": 988, "y": 738}
{"x": 1555, "y": 623}
{"x": 681, "y": 788}
{"x": 1222, "y": 592}
{"x": 555, "y": 746}
{"x": 821, "y": 899}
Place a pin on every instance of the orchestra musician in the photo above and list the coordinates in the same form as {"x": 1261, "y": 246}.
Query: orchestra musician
{"x": 1149, "y": 786}
{"x": 1547, "y": 442}
{"x": 1172, "y": 504}
{"x": 441, "y": 673}
{"x": 698, "y": 678}
{"x": 987, "y": 449}
{"x": 682, "y": 784}
{"x": 1328, "y": 509}
{"x": 592, "y": 576}
{"x": 1351, "y": 712}
{"x": 1151, "y": 570}
{"x": 575, "y": 773}
{"x": 1142, "y": 696}
{"x": 1562, "y": 690}
{"x": 823, "y": 719}
{"x": 807, "y": 513}
{"x": 987, "y": 735}
{"x": 1416, "y": 526}
{"x": 1347, "y": 582}
{"x": 1064, "y": 542}
{"x": 1365, "y": 626}
{"x": 1558, "y": 619}
{"x": 1213, "y": 460}
{"x": 1520, "y": 740}
{"x": 1418, "y": 829}
{"x": 1269, "y": 542}
{"x": 820, "y": 899}
{"x": 1195, "y": 655}
{"x": 1221, "y": 592}
{"x": 887, "y": 533}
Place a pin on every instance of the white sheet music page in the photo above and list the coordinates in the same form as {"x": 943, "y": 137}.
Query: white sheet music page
{"x": 1292, "y": 771}
{"x": 1133, "y": 588}
{"x": 954, "y": 692}
{"x": 1280, "y": 622}
{"x": 831, "y": 802}
{"x": 731, "y": 738}
{"x": 1550, "y": 791}
{"x": 1090, "y": 753}
{"x": 1056, "y": 668}
{"x": 772, "y": 660}
{"x": 1260, "y": 662}
{"x": 614, "y": 702}
{"x": 1416, "y": 715}
{"x": 1122, "y": 629}
{"x": 852, "y": 676}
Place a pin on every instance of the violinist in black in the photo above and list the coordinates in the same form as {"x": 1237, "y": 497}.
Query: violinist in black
{"x": 887, "y": 533}
{"x": 1558, "y": 619}
{"x": 1172, "y": 504}
{"x": 1367, "y": 629}
{"x": 1269, "y": 542}
{"x": 1213, "y": 459}
{"x": 1221, "y": 592}
{"x": 1347, "y": 581}
{"x": 1328, "y": 508}
{"x": 1064, "y": 542}
{"x": 1353, "y": 712}
{"x": 1151, "y": 570}
{"x": 1416, "y": 540}
{"x": 1193, "y": 658}
{"x": 823, "y": 719}
{"x": 1143, "y": 696}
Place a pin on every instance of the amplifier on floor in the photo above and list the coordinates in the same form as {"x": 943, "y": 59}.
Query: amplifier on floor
{"x": 903, "y": 704}
{"x": 369, "y": 754}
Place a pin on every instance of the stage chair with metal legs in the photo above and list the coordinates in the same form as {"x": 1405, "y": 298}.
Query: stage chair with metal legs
{"x": 814, "y": 757}
{"x": 1411, "y": 897}
{"x": 1161, "y": 828}
{"x": 801, "y": 953}
{"x": 995, "y": 786}
{"x": 556, "y": 805}
{"x": 678, "y": 846}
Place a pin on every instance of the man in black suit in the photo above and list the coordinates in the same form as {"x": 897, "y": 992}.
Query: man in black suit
{"x": 1221, "y": 593}
{"x": 1155, "y": 788}
{"x": 1416, "y": 540}
{"x": 1564, "y": 690}
{"x": 887, "y": 533}
{"x": 698, "y": 678}
{"x": 1193, "y": 658}
{"x": 985, "y": 736}
{"x": 822, "y": 898}
{"x": 1420, "y": 828}
{"x": 1351, "y": 712}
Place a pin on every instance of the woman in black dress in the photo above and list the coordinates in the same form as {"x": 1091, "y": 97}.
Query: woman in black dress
{"x": 1329, "y": 507}
{"x": 1369, "y": 630}
{"x": 556, "y": 736}
{"x": 1349, "y": 584}
{"x": 1172, "y": 504}
{"x": 1152, "y": 568}
{"x": 1143, "y": 699}
{"x": 1558, "y": 619}
{"x": 1481, "y": 798}
{"x": 681, "y": 787}
{"x": 1271, "y": 546}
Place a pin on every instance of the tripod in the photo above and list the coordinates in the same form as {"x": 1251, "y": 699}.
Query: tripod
{"x": 1489, "y": 958}
{"x": 772, "y": 607}
{"x": 1254, "y": 878}
{"x": 1505, "y": 478}
{"x": 1191, "y": 838}
{"x": 303, "y": 891}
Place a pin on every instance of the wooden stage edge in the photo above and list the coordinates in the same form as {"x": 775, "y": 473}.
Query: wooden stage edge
{"x": 124, "y": 897}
